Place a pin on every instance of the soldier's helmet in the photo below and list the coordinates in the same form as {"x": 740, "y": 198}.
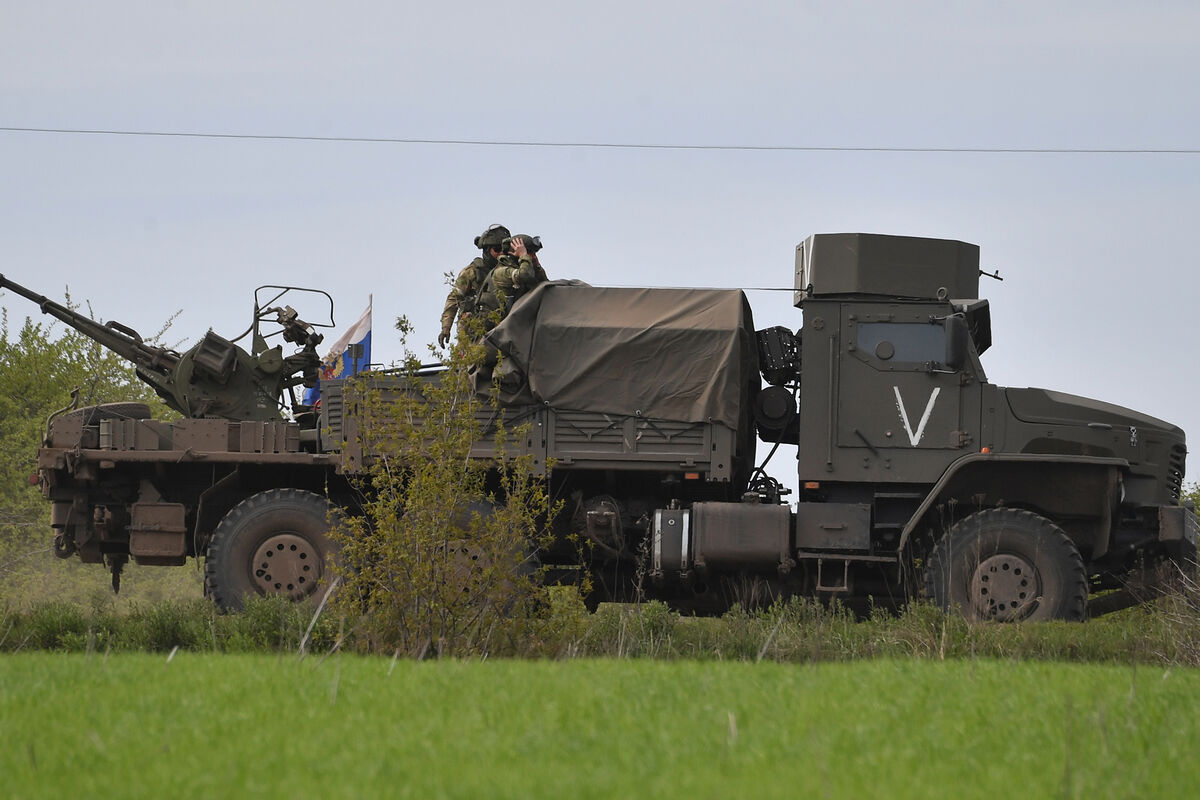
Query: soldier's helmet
{"x": 492, "y": 237}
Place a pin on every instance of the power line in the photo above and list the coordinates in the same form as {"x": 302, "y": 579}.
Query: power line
{"x": 616, "y": 145}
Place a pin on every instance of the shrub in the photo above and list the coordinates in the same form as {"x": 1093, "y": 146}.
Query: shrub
{"x": 442, "y": 561}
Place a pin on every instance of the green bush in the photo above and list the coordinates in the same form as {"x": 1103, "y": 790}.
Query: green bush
{"x": 169, "y": 625}
{"x": 441, "y": 561}
{"x": 271, "y": 623}
{"x": 54, "y": 626}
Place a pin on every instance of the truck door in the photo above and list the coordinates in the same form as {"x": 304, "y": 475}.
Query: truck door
{"x": 900, "y": 407}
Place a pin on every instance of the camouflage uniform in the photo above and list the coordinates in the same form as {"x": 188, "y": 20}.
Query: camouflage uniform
{"x": 511, "y": 280}
{"x": 462, "y": 297}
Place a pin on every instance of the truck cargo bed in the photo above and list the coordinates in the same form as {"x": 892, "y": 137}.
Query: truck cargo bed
{"x": 571, "y": 440}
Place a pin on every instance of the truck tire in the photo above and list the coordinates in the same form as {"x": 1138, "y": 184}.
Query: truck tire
{"x": 1007, "y": 564}
{"x": 273, "y": 543}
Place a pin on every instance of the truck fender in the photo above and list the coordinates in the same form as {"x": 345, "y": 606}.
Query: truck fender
{"x": 988, "y": 477}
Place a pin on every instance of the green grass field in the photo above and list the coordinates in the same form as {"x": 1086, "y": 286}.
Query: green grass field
{"x": 208, "y": 725}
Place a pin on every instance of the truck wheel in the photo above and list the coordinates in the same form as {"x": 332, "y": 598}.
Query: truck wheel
{"x": 272, "y": 543}
{"x": 1006, "y": 564}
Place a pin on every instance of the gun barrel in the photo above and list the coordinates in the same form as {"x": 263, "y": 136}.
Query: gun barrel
{"x": 122, "y": 340}
{"x": 29, "y": 294}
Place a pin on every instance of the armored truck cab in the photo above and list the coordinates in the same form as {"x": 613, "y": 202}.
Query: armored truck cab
{"x": 897, "y": 416}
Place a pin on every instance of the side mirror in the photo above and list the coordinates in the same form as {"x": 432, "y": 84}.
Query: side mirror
{"x": 957, "y": 341}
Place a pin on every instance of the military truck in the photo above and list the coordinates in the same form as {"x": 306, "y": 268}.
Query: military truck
{"x": 915, "y": 475}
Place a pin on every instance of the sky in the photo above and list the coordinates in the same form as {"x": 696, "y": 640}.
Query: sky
{"x": 1095, "y": 249}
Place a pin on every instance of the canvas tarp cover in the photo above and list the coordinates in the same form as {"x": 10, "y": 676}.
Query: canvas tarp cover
{"x": 670, "y": 354}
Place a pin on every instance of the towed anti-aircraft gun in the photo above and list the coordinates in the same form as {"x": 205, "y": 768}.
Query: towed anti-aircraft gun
{"x": 216, "y": 378}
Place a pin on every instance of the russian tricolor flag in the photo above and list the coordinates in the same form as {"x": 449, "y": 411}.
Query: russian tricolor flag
{"x": 349, "y": 355}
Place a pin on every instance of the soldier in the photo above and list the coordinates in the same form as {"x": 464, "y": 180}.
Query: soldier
{"x": 462, "y": 298}
{"x": 514, "y": 276}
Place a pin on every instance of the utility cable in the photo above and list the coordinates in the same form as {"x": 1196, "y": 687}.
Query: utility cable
{"x": 618, "y": 145}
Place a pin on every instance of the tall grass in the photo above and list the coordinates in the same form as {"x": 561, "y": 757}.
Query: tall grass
{"x": 267, "y": 625}
{"x": 1163, "y": 632}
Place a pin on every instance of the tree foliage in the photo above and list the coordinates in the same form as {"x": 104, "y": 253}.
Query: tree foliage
{"x": 1191, "y": 493}
{"x": 40, "y": 367}
{"x": 443, "y": 558}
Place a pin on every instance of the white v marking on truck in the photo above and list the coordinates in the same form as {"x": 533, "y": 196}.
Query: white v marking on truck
{"x": 915, "y": 436}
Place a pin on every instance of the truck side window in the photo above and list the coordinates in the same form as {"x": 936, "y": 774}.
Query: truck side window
{"x": 902, "y": 342}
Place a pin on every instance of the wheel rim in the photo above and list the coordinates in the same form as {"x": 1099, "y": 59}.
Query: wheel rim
{"x": 287, "y": 564}
{"x": 1005, "y": 587}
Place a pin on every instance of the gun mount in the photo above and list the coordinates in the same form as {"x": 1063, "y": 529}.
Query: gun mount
{"x": 216, "y": 378}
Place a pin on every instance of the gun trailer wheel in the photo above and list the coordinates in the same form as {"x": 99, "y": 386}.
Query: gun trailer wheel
{"x": 274, "y": 542}
{"x": 1006, "y": 564}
